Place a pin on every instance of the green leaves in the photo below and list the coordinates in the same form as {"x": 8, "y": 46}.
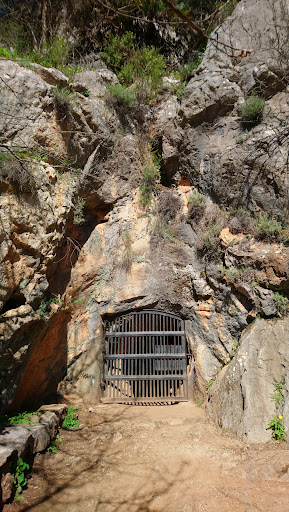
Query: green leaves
{"x": 276, "y": 423}
{"x": 20, "y": 479}
{"x": 252, "y": 110}
{"x": 122, "y": 95}
{"x": 281, "y": 303}
{"x": 277, "y": 427}
{"x": 71, "y": 419}
{"x": 144, "y": 67}
{"x": 151, "y": 171}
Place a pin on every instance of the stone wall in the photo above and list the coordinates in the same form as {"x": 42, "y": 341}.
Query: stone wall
{"x": 24, "y": 441}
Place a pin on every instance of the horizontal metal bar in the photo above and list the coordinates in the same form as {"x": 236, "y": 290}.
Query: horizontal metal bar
{"x": 144, "y": 377}
{"x": 145, "y": 333}
{"x": 122, "y": 400}
{"x": 146, "y": 356}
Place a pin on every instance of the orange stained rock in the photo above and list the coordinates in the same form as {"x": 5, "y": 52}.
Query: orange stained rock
{"x": 227, "y": 237}
{"x": 184, "y": 181}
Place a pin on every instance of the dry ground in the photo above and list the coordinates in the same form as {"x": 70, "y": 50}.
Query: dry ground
{"x": 156, "y": 459}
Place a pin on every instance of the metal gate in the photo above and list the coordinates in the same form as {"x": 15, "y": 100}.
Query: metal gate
{"x": 145, "y": 358}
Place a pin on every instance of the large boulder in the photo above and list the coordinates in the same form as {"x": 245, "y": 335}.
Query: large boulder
{"x": 208, "y": 143}
{"x": 240, "y": 398}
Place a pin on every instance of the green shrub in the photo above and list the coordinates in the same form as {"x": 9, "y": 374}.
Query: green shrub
{"x": 123, "y": 96}
{"x": 187, "y": 71}
{"x": 166, "y": 216}
{"x": 277, "y": 427}
{"x": 64, "y": 97}
{"x": 242, "y": 137}
{"x": 144, "y": 69}
{"x": 208, "y": 243}
{"x": 281, "y": 303}
{"x": 196, "y": 206}
{"x": 20, "y": 479}
{"x": 252, "y": 110}
{"x": 268, "y": 229}
{"x": 196, "y": 199}
{"x": 277, "y": 397}
{"x": 117, "y": 49}
{"x": 17, "y": 168}
{"x": 54, "y": 446}
{"x": 71, "y": 419}
{"x": 22, "y": 418}
{"x": 151, "y": 171}
{"x": 6, "y": 53}
{"x": 54, "y": 54}
{"x": 78, "y": 217}
{"x": 276, "y": 423}
{"x": 209, "y": 385}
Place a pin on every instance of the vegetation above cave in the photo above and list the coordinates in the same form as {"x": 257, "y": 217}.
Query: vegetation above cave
{"x": 67, "y": 35}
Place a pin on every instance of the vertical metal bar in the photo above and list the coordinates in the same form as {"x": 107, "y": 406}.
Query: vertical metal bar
{"x": 185, "y": 381}
{"x": 150, "y": 366}
{"x": 163, "y": 362}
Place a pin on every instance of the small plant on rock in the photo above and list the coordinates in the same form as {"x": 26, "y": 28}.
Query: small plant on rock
{"x": 71, "y": 419}
{"x": 64, "y": 98}
{"x": 281, "y": 303}
{"x": 208, "y": 243}
{"x": 151, "y": 172}
{"x": 252, "y": 110}
{"x": 78, "y": 217}
{"x": 268, "y": 229}
{"x": 276, "y": 424}
{"x": 54, "y": 446}
{"x": 121, "y": 96}
{"x": 277, "y": 396}
{"x": 44, "y": 308}
{"x": 24, "y": 418}
{"x": 209, "y": 385}
{"x": 20, "y": 478}
{"x": 277, "y": 427}
{"x": 196, "y": 206}
{"x": 16, "y": 167}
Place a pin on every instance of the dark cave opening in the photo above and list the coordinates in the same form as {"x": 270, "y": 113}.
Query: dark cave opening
{"x": 16, "y": 300}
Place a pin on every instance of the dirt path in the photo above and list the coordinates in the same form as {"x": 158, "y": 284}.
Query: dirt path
{"x": 152, "y": 459}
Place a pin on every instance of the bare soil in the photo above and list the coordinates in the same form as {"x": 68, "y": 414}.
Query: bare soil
{"x": 156, "y": 459}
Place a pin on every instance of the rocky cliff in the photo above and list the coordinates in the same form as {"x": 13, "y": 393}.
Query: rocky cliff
{"x": 77, "y": 245}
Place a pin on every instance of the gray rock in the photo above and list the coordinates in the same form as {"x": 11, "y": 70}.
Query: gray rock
{"x": 59, "y": 409}
{"x": 94, "y": 81}
{"x": 261, "y": 80}
{"x": 51, "y": 76}
{"x": 35, "y": 289}
{"x": 6, "y": 487}
{"x": 266, "y": 306}
{"x": 239, "y": 399}
{"x": 41, "y": 435}
{"x": 15, "y": 439}
{"x": 50, "y": 421}
{"x": 207, "y": 96}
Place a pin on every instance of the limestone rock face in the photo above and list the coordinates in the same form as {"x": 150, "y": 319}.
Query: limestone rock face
{"x": 239, "y": 399}
{"x": 234, "y": 164}
{"x": 39, "y": 242}
{"x": 153, "y": 272}
{"x": 76, "y": 246}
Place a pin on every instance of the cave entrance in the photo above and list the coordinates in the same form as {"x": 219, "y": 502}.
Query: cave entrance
{"x": 145, "y": 358}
